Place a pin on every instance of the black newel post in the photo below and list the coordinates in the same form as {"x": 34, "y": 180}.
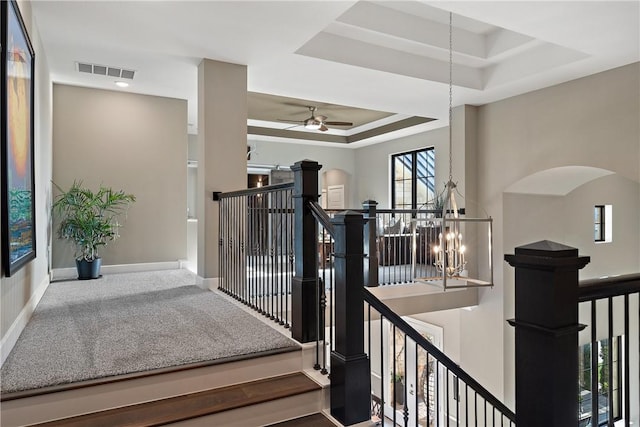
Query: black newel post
{"x": 304, "y": 293}
{"x": 350, "y": 374}
{"x": 370, "y": 244}
{"x": 546, "y": 323}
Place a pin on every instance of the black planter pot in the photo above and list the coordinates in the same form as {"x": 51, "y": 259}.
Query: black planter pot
{"x": 399, "y": 393}
{"x": 88, "y": 269}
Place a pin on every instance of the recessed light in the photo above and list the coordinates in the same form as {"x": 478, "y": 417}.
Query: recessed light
{"x": 122, "y": 84}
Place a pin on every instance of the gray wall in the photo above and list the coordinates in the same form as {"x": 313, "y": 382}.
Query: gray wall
{"x": 20, "y": 292}
{"x": 132, "y": 142}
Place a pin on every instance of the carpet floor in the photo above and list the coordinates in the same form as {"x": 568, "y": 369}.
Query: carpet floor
{"x": 132, "y": 322}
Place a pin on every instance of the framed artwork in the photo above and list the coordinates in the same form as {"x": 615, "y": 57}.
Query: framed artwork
{"x": 16, "y": 116}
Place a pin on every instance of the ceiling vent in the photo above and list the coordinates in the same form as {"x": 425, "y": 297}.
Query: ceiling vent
{"x": 105, "y": 70}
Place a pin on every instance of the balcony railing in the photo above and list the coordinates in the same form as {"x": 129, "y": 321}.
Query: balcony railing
{"x": 381, "y": 368}
{"x": 256, "y": 248}
{"x": 610, "y": 309}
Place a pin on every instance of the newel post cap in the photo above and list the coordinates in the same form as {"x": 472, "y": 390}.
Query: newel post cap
{"x": 545, "y": 255}
{"x": 306, "y": 165}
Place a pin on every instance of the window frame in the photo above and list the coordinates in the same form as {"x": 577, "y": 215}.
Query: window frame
{"x": 414, "y": 176}
{"x": 601, "y": 224}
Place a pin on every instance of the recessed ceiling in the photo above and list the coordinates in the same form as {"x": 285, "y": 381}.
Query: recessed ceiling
{"x": 282, "y": 117}
{"x": 388, "y": 56}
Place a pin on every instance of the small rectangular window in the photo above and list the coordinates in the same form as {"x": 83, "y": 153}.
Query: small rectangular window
{"x": 603, "y": 223}
{"x": 598, "y": 223}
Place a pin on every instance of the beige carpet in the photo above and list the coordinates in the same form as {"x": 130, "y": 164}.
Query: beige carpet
{"x": 124, "y": 323}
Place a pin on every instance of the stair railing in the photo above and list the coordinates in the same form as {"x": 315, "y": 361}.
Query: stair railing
{"x": 416, "y": 384}
{"x": 613, "y": 302}
{"x": 458, "y": 397}
{"x": 256, "y": 237}
{"x": 550, "y": 308}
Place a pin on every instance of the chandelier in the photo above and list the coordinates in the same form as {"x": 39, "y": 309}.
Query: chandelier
{"x": 450, "y": 251}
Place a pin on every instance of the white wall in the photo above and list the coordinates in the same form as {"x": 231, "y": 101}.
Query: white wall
{"x": 21, "y": 292}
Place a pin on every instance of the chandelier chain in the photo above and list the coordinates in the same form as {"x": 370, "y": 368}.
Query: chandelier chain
{"x": 450, "y": 93}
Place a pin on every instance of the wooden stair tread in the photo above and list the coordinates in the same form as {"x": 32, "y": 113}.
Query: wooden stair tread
{"x": 314, "y": 420}
{"x": 193, "y": 405}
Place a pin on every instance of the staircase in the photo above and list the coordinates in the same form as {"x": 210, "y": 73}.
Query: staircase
{"x": 263, "y": 390}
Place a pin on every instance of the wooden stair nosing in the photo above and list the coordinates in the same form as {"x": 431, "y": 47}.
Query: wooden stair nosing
{"x": 313, "y": 420}
{"x": 193, "y": 405}
{"x": 135, "y": 375}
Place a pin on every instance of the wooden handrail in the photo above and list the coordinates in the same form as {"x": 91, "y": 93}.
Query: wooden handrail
{"x": 605, "y": 287}
{"x": 257, "y": 190}
{"x": 321, "y": 216}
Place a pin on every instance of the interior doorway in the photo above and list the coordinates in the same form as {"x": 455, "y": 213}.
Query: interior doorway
{"x": 411, "y": 373}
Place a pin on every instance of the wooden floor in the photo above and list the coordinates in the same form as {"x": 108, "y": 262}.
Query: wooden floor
{"x": 315, "y": 420}
{"x": 195, "y": 405}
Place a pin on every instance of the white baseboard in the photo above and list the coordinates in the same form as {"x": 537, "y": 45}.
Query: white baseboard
{"x": 13, "y": 333}
{"x": 66, "y": 273}
{"x": 210, "y": 283}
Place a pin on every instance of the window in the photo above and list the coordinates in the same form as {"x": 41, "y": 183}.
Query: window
{"x": 605, "y": 385}
{"x": 413, "y": 179}
{"x": 602, "y": 223}
{"x": 598, "y": 223}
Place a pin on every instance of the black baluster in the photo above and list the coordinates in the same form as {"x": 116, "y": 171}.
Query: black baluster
{"x": 627, "y": 387}
{"x": 382, "y": 396}
{"x": 405, "y": 408}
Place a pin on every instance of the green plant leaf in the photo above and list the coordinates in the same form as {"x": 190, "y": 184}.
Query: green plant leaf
{"x": 89, "y": 219}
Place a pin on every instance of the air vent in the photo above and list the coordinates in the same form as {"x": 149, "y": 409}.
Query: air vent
{"x": 104, "y": 70}
{"x": 85, "y": 68}
{"x": 127, "y": 74}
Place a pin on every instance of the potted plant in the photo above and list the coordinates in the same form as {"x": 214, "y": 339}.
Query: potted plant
{"x": 438, "y": 203}
{"x": 90, "y": 220}
{"x": 398, "y": 389}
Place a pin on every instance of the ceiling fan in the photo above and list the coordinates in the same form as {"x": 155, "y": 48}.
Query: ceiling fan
{"x": 317, "y": 122}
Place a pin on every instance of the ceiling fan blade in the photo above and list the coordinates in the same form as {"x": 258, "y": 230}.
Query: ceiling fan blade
{"x": 339, "y": 123}
{"x": 320, "y": 117}
{"x": 291, "y": 121}
{"x": 323, "y": 128}
{"x": 292, "y": 127}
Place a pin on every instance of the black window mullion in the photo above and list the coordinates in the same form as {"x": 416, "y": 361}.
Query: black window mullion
{"x": 600, "y": 223}
{"x": 414, "y": 181}
{"x": 393, "y": 181}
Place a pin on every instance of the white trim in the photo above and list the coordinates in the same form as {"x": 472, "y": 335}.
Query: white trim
{"x": 208, "y": 283}
{"x": 11, "y": 337}
{"x": 58, "y": 273}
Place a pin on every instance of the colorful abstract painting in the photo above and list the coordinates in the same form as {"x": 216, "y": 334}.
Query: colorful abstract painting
{"x": 18, "y": 191}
